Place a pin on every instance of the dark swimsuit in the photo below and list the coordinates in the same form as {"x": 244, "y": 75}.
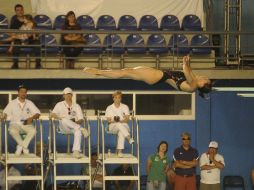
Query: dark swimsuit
{"x": 177, "y": 76}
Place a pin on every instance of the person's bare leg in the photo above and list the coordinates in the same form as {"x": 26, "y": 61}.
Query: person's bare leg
{"x": 146, "y": 74}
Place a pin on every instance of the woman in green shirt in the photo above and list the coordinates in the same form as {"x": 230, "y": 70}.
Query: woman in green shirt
{"x": 157, "y": 167}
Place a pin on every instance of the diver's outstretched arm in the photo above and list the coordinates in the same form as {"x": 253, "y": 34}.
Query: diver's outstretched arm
{"x": 145, "y": 74}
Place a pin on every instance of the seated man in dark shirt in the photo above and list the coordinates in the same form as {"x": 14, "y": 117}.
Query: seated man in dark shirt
{"x": 16, "y": 22}
{"x": 123, "y": 170}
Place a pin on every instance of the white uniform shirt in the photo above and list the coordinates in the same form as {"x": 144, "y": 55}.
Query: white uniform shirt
{"x": 12, "y": 172}
{"x": 63, "y": 110}
{"x": 121, "y": 111}
{"x": 17, "y": 111}
{"x": 210, "y": 176}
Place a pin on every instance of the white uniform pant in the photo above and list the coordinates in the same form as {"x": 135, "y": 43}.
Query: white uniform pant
{"x": 17, "y": 129}
{"x": 69, "y": 126}
{"x": 122, "y": 130}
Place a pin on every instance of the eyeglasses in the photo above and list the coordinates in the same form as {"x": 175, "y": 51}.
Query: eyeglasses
{"x": 69, "y": 111}
{"x": 186, "y": 139}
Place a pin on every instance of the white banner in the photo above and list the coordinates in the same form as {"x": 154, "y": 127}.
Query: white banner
{"x": 117, "y": 8}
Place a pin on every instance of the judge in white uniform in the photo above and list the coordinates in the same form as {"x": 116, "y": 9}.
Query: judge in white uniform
{"x": 118, "y": 115}
{"x": 70, "y": 118}
{"x": 21, "y": 113}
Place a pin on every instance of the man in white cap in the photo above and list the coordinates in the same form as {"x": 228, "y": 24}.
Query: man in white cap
{"x": 21, "y": 113}
{"x": 70, "y": 118}
{"x": 211, "y": 163}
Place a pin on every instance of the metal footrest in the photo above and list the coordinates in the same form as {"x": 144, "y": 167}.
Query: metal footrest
{"x": 73, "y": 177}
{"x": 112, "y": 178}
{"x": 114, "y": 159}
{"x": 23, "y": 159}
{"x": 30, "y": 177}
{"x": 63, "y": 158}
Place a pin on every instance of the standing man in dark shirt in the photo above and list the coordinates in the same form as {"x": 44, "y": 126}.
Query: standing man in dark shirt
{"x": 185, "y": 162}
{"x": 16, "y": 22}
{"x": 123, "y": 170}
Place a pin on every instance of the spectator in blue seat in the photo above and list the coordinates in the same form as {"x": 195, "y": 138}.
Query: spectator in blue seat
{"x": 24, "y": 38}
{"x": 184, "y": 80}
{"x": 19, "y": 21}
{"x": 74, "y": 41}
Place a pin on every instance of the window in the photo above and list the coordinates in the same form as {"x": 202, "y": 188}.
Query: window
{"x": 165, "y": 106}
{"x": 147, "y": 105}
{"x": 44, "y": 102}
{"x": 93, "y": 102}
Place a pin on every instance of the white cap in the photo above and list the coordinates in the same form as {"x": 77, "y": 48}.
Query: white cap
{"x": 213, "y": 144}
{"x": 67, "y": 90}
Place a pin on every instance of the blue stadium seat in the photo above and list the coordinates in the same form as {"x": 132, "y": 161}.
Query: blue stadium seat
{"x": 178, "y": 43}
{"x": 148, "y": 22}
{"x": 59, "y": 22}
{"x": 135, "y": 44}
{"x": 93, "y": 44}
{"x": 191, "y": 23}
{"x": 3, "y": 44}
{"x": 106, "y": 22}
{"x": 49, "y": 44}
{"x": 86, "y": 22}
{"x": 127, "y": 22}
{"x": 170, "y": 23}
{"x": 3, "y": 22}
{"x": 156, "y": 44}
{"x": 113, "y": 44}
{"x": 202, "y": 44}
{"x": 43, "y": 22}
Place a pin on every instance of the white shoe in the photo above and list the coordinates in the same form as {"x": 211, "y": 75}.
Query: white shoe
{"x": 25, "y": 150}
{"x": 131, "y": 141}
{"x": 84, "y": 132}
{"x": 18, "y": 150}
{"x": 120, "y": 154}
{"x": 90, "y": 70}
{"x": 76, "y": 154}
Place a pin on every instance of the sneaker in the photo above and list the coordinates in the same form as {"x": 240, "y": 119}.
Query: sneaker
{"x": 120, "y": 154}
{"x": 25, "y": 150}
{"x": 84, "y": 132}
{"x": 76, "y": 154}
{"x": 18, "y": 150}
{"x": 131, "y": 141}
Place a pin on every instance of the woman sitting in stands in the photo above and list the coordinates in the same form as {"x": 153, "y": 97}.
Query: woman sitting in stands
{"x": 71, "y": 52}
{"x": 184, "y": 80}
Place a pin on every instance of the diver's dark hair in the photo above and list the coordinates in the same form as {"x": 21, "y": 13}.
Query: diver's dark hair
{"x": 207, "y": 88}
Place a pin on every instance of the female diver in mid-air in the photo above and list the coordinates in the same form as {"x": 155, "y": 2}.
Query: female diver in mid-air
{"x": 184, "y": 80}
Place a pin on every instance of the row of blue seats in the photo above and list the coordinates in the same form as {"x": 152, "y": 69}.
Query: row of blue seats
{"x": 135, "y": 43}
{"x": 126, "y": 22}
